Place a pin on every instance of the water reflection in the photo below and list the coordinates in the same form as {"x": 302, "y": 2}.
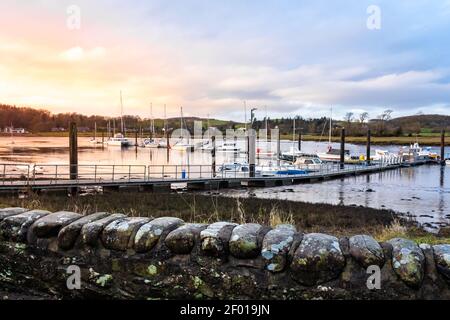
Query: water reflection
{"x": 423, "y": 192}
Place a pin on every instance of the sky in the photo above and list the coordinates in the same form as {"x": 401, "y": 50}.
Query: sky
{"x": 283, "y": 57}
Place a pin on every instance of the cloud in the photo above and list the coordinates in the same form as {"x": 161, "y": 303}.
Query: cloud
{"x": 78, "y": 54}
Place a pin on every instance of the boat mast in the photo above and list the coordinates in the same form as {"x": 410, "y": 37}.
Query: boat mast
{"x": 245, "y": 114}
{"x": 121, "y": 114}
{"x": 293, "y": 135}
{"x": 165, "y": 118}
{"x": 331, "y": 115}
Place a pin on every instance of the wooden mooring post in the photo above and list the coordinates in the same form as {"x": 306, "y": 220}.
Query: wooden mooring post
{"x": 443, "y": 147}
{"x": 73, "y": 155}
{"x": 252, "y": 152}
{"x": 213, "y": 156}
{"x": 300, "y": 140}
{"x": 342, "y": 160}
{"x": 368, "y": 147}
{"x": 167, "y": 146}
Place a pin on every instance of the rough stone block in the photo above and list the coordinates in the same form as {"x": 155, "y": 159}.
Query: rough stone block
{"x": 15, "y": 228}
{"x": 215, "y": 238}
{"x": 366, "y": 251}
{"x": 276, "y": 245}
{"x": 442, "y": 257}
{"x": 150, "y": 233}
{"x": 69, "y": 234}
{"x": 317, "y": 260}
{"x": 6, "y": 212}
{"x": 408, "y": 261}
{"x": 244, "y": 242}
{"x": 50, "y": 225}
{"x": 91, "y": 232}
{"x": 183, "y": 239}
{"x": 119, "y": 234}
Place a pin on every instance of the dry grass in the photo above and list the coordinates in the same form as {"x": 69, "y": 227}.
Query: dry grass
{"x": 398, "y": 230}
{"x": 338, "y": 220}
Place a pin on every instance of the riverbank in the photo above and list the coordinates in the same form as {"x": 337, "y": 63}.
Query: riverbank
{"x": 400, "y": 140}
{"x": 428, "y": 140}
{"x": 322, "y": 218}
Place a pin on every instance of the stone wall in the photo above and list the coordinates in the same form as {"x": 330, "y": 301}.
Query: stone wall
{"x": 142, "y": 258}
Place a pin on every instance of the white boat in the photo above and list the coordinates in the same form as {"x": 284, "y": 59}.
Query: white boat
{"x": 205, "y": 146}
{"x": 291, "y": 155}
{"x": 31, "y": 169}
{"x": 447, "y": 162}
{"x": 229, "y": 147}
{"x": 333, "y": 155}
{"x": 181, "y": 145}
{"x": 239, "y": 170}
{"x": 162, "y": 143}
{"x": 118, "y": 140}
{"x": 94, "y": 138}
{"x": 150, "y": 143}
{"x": 309, "y": 163}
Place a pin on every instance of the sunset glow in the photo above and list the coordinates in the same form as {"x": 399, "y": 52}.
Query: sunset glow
{"x": 210, "y": 57}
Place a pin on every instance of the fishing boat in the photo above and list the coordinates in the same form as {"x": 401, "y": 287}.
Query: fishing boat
{"x": 447, "y": 162}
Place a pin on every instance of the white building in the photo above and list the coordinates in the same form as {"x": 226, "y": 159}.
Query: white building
{"x": 15, "y": 130}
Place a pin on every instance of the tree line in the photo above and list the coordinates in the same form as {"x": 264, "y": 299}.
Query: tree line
{"x": 38, "y": 120}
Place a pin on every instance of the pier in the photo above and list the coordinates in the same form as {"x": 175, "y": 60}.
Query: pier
{"x": 162, "y": 178}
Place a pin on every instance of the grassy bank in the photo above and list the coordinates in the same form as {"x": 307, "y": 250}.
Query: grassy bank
{"x": 337, "y": 220}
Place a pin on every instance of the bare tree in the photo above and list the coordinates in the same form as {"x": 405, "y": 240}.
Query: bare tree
{"x": 385, "y": 116}
{"x": 363, "y": 117}
{"x": 349, "y": 117}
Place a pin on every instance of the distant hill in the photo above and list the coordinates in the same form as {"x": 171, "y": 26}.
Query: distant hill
{"x": 431, "y": 123}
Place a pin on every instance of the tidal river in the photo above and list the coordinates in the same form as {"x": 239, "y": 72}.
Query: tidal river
{"x": 422, "y": 192}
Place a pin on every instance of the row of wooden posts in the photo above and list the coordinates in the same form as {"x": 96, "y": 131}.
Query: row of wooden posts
{"x": 251, "y": 155}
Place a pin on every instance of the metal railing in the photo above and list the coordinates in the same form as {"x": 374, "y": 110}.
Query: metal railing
{"x": 30, "y": 174}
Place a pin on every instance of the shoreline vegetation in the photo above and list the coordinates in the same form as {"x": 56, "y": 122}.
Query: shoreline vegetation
{"x": 200, "y": 208}
{"x": 428, "y": 140}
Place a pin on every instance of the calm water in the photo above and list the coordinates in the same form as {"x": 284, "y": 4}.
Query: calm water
{"x": 423, "y": 192}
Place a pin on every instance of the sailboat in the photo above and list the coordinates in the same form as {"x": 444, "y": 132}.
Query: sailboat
{"x": 332, "y": 155}
{"x": 119, "y": 138}
{"x": 293, "y": 152}
{"x": 94, "y": 139}
{"x": 163, "y": 143}
{"x": 180, "y": 144}
{"x": 151, "y": 142}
